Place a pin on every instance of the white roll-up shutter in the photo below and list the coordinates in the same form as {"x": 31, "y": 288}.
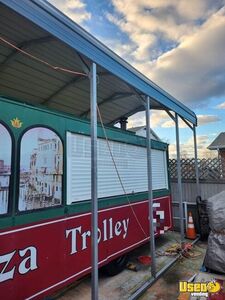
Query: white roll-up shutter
{"x": 131, "y": 162}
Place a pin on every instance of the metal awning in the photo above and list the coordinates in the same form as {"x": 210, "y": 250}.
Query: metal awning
{"x": 53, "y": 40}
{"x": 37, "y": 27}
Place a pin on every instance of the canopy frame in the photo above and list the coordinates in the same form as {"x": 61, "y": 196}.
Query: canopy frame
{"x": 122, "y": 90}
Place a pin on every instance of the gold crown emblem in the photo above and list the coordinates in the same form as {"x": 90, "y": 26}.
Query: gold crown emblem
{"x": 16, "y": 123}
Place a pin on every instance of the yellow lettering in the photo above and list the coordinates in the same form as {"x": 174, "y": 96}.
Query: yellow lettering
{"x": 183, "y": 286}
{"x": 197, "y": 288}
{"x": 190, "y": 287}
{"x": 204, "y": 288}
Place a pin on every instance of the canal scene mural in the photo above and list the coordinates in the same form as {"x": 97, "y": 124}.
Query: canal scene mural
{"x": 41, "y": 169}
{"x": 5, "y": 168}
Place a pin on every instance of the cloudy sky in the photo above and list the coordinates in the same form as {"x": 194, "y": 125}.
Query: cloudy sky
{"x": 178, "y": 44}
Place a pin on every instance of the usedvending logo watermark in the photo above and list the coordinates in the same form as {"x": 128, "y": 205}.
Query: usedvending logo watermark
{"x": 199, "y": 289}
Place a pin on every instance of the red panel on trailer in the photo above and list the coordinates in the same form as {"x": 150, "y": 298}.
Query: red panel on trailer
{"x": 38, "y": 259}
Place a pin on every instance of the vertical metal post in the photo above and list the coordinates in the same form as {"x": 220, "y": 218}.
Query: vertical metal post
{"x": 150, "y": 196}
{"x": 94, "y": 198}
{"x": 179, "y": 181}
{"x": 196, "y": 162}
{"x": 186, "y": 214}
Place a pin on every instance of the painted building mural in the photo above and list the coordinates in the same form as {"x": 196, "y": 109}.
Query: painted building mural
{"x": 41, "y": 169}
{"x": 5, "y": 168}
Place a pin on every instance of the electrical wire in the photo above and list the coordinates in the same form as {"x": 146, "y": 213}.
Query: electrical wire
{"x": 56, "y": 68}
{"x": 118, "y": 174}
{"x": 188, "y": 251}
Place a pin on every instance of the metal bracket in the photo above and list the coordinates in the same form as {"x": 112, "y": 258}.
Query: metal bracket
{"x": 113, "y": 97}
{"x": 84, "y": 65}
{"x": 170, "y": 115}
{"x": 143, "y": 100}
{"x": 63, "y": 88}
{"x": 187, "y": 123}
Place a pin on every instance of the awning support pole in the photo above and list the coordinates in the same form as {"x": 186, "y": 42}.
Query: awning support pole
{"x": 193, "y": 128}
{"x": 196, "y": 162}
{"x": 181, "y": 208}
{"x": 150, "y": 195}
{"x": 94, "y": 198}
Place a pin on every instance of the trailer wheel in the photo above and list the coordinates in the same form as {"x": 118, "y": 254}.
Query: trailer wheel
{"x": 116, "y": 266}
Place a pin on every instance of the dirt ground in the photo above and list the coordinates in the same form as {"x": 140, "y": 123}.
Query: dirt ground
{"x": 166, "y": 288}
{"x": 123, "y": 285}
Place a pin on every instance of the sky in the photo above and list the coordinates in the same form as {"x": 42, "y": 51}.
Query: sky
{"x": 178, "y": 44}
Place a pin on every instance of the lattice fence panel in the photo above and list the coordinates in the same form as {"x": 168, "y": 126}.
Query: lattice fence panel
{"x": 209, "y": 169}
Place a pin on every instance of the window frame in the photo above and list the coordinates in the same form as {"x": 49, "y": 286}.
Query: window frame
{"x": 19, "y": 143}
{"x": 12, "y": 169}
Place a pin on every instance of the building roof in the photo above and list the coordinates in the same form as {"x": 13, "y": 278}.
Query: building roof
{"x": 143, "y": 127}
{"x": 135, "y": 129}
{"x": 218, "y": 143}
{"x": 37, "y": 27}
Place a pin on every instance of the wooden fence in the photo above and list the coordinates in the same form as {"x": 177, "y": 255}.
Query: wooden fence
{"x": 211, "y": 179}
{"x": 209, "y": 169}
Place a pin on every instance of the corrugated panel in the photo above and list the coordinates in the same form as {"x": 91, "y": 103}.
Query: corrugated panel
{"x": 23, "y": 32}
{"x": 119, "y": 105}
{"x": 21, "y": 84}
{"x": 42, "y": 82}
{"x": 54, "y": 49}
{"x": 131, "y": 161}
{"x": 32, "y": 70}
{"x": 115, "y": 109}
{"x": 45, "y": 16}
{"x": 62, "y": 107}
{"x": 75, "y": 104}
{"x": 26, "y": 96}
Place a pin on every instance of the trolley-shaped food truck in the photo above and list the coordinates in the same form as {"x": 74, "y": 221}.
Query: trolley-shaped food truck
{"x": 45, "y": 196}
{"x": 50, "y": 69}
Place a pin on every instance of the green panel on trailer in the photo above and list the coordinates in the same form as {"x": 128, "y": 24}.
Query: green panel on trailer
{"x": 75, "y": 208}
{"x": 32, "y": 116}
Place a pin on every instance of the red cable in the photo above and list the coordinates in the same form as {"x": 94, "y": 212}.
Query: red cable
{"x": 42, "y": 61}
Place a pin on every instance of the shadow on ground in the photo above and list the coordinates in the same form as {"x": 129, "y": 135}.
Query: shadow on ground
{"x": 122, "y": 286}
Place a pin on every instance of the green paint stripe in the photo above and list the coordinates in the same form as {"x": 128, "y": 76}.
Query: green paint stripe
{"x": 114, "y": 201}
{"x": 31, "y": 115}
{"x": 76, "y": 208}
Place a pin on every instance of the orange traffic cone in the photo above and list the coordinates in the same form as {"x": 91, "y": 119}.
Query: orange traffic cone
{"x": 191, "y": 233}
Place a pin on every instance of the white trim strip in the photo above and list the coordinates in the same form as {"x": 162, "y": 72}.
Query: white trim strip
{"x": 73, "y": 217}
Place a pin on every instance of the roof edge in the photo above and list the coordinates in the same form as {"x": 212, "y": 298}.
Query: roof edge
{"x": 47, "y": 17}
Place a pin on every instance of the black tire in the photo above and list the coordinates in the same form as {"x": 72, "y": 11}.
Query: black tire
{"x": 116, "y": 266}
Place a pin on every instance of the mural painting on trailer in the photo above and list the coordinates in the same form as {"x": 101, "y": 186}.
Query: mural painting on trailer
{"x": 41, "y": 169}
